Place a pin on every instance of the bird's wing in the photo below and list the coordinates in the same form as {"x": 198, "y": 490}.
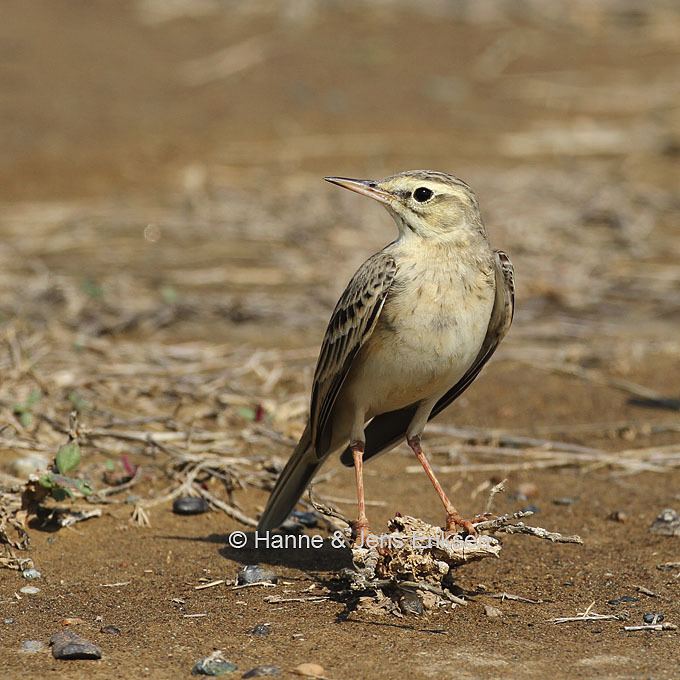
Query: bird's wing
{"x": 386, "y": 430}
{"x": 351, "y": 324}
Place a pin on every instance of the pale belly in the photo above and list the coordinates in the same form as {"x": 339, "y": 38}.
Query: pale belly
{"x": 418, "y": 351}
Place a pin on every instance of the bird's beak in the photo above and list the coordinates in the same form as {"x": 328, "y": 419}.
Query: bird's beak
{"x": 365, "y": 187}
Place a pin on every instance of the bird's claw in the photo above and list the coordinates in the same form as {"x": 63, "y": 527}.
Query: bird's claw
{"x": 453, "y": 520}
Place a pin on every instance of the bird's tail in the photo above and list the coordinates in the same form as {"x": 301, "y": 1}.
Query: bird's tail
{"x": 291, "y": 484}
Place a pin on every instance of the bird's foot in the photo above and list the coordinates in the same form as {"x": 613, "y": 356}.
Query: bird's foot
{"x": 360, "y": 532}
{"x": 453, "y": 520}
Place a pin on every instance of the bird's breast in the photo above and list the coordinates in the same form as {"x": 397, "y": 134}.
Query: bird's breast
{"x": 427, "y": 336}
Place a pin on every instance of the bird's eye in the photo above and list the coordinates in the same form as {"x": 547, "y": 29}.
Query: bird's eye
{"x": 422, "y": 194}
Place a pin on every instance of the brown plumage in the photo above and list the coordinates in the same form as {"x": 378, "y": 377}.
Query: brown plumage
{"x": 412, "y": 330}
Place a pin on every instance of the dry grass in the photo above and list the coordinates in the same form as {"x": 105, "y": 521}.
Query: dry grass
{"x": 99, "y": 297}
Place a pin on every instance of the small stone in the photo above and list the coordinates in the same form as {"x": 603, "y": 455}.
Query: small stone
{"x": 9, "y": 622}
{"x": 72, "y": 621}
{"x": 492, "y": 612}
{"x": 32, "y": 646}
{"x": 430, "y": 600}
{"x": 254, "y": 573}
{"x": 623, "y": 599}
{"x": 31, "y": 574}
{"x": 531, "y": 508}
{"x": 262, "y": 671}
{"x": 68, "y": 645}
{"x": 190, "y": 505}
{"x": 214, "y": 665}
{"x": 564, "y": 500}
{"x": 261, "y": 630}
{"x": 410, "y": 603}
{"x": 310, "y": 670}
{"x": 527, "y": 490}
{"x": 290, "y": 526}
{"x": 29, "y": 590}
{"x": 653, "y": 617}
{"x": 307, "y": 519}
{"x": 110, "y": 630}
{"x": 667, "y": 523}
{"x": 27, "y": 465}
{"x": 617, "y": 516}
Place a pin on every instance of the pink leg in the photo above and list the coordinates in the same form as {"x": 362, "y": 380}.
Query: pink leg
{"x": 361, "y": 525}
{"x": 453, "y": 517}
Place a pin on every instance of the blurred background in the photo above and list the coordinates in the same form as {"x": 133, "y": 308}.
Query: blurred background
{"x": 170, "y": 255}
{"x": 161, "y": 171}
{"x": 172, "y": 150}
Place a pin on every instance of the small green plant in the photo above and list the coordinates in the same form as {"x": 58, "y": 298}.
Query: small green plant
{"x": 78, "y": 402}
{"x": 92, "y": 289}
{"x": 56, "y": 482}
{"x": 23, "y": 411}
{"x": 169, "y": 295}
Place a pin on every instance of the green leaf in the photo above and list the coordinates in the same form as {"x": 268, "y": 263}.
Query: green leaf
{"x": 169, "y": 295}
{"x": 79, "y": 403}
{"x": 46, "y": 481}
{"x": 68, "y": 457}
{"x": 60, "y": 493}
{"x": 82, "y": 486}
{"x": 92, "y": 289}
{"x": 33, "y": 398}
{"x": 26, "y": 418}
{"x": 247, "y": 413}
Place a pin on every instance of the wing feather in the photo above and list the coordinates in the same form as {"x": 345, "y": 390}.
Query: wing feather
{"x": 351, "y": 324}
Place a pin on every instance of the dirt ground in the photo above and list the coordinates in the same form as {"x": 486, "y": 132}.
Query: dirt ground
{"x": 169, "y": 259}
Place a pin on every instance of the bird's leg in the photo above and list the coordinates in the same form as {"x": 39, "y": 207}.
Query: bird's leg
{"x": 453, "y": 517}
{"x": 361, "y": 525}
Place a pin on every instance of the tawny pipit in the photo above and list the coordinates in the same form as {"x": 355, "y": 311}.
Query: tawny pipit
{"x": 412, "y": 330}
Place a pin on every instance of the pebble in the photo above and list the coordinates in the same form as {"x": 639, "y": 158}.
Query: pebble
{"x": 31, "y": 574}
{"x": 190, "y": 505}
{"x": 29, "y": 590}
{"x": 9, "y": 622}
{"x": 69, "y": 645}
{"x": 254, "y": 573}
{"x": 307, "y": 519}
{"x": 667, "y": 523}
{"x": 622, "y": 600}
{"x": 310, "y": 670}
{"x": 617, "y": 516}
{"x": 23, "y": 467}
{"x": 110, "y": 630}
{"x": 300, "y": 520}
{"x": 290, "y": 526}
{"x": 261, "y": 630}
{"x": 214, "y": 665}
{"x": 410, "y": 603}
{"x": 527, "y": 490}
{"x": 262, "y": 671}
{"x": 565, "y": 500}
{"x": 653, "y": 617}
{"x": 531, "y": 508}
{"x": 32, "y": 646}
{"x": 492, "y": 612}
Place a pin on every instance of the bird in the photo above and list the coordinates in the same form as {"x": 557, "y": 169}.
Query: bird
{"x": 412, "y": 330}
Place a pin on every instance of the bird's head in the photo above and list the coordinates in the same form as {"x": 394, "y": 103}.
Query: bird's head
{"x": 424, "y": 203}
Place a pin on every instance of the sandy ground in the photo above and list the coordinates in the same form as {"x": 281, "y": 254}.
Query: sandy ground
{"x": 161, "y": 195}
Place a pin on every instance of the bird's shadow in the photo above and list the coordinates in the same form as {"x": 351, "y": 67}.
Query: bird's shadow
{"x": 310, "y": 553}
{"x": 320, "y": 558}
